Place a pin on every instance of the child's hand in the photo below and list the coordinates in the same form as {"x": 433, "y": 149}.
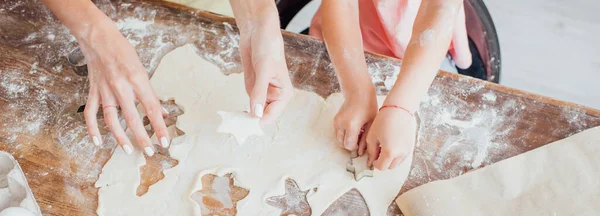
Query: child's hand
{"x": 391, "y": 138}
{"x": 353, "y": 118}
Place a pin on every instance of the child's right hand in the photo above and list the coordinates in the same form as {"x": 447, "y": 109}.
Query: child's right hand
{"x": 391, "y": 138}
{"x": 357, "y": 113}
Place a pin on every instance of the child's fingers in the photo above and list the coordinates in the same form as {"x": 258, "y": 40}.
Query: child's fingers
{"x": 396, "y": 161}
{"x": 351, "y": 137}
{"x": 362, "y": 144}
{"x": 384, "y": 160}
{"x": 372, "y": 148}
{"x": 460, "y": 42}
{"x": 339, "y": 136}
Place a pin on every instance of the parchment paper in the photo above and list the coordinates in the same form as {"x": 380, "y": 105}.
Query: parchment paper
{"x": 561, "y": 178}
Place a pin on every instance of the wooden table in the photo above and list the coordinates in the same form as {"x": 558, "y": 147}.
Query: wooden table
{"x": 464, "y": 123}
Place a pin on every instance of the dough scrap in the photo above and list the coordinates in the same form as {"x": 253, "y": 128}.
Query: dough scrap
{"x": 239, "y": 124}
{"x": 299, "y": 145}
{"x": 561, "y": 178}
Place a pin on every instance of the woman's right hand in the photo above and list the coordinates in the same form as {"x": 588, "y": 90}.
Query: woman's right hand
{"x": 117, "y": 79}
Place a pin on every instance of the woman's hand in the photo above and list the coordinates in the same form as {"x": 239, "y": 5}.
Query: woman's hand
{"x": 391, "y": 138}
{"x": 118, "y": 79}
{"x": 352, "y": 121}
{"x": 261, "y": 47}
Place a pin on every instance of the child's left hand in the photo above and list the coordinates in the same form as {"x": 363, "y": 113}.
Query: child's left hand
{"x": 391, "y": 138}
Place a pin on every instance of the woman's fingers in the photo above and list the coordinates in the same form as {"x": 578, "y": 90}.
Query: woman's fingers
{"x": 91, "y": 109}
{"x": 272, "y": 112}
{"x": 258, "y": 96}
{"x": 111, "y": 118}
{"x": 125, "y": 97}
{"x": 154, "y": 112}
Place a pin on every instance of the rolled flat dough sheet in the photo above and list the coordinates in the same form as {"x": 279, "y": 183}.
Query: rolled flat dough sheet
{"x": 300, "y": 145}
{"x": 561, "y": 178}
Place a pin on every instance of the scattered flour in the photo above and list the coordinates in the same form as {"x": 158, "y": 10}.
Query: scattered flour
{"x": 475, "y": 136}
{"x": 426, "y": 37}
{"x": 489, "y": 96}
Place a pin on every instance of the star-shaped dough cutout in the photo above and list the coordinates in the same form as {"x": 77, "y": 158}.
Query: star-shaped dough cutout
{"x": 358, "y": 166}
{"x": 219, "y": 195}
{"x": 239, "y": 124}
{"x": 293, "y": 202}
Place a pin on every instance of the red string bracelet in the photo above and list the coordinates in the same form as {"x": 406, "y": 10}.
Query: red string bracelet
{"x": 397, "y": 107}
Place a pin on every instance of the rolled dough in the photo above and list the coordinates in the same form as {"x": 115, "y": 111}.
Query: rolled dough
{"x": 300, "y": 146}
{"x": 561, "y": 178}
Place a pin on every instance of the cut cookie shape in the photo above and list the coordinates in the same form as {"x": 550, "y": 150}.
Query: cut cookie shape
{"x": 239, "y": 124}
{"x": 358, "y": 166}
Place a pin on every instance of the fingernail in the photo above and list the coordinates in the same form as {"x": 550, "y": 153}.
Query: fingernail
{"x": 128, "y": 150}
{"x": 258, "y": 110}
{"x": 149, "y": 151}
{"x": 164, "y": 142}
{"x": 96, "y": 141}
{"x": 165, "y": 110}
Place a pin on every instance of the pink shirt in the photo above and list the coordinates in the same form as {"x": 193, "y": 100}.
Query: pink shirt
{"x": 386, "y": 25}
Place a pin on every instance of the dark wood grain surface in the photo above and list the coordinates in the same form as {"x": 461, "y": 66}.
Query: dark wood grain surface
{"x": 465, "y": 123}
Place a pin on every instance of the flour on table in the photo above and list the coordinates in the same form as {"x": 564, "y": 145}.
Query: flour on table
{"x": 15, "y": 194}
{"x": 239, "y": 124}
{"x": 299, "y": 145}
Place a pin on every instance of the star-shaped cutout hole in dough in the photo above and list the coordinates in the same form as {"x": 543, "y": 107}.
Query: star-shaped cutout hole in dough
{"x": 293, "y": 202}
{"x": 152, "y": 171}
{"x": 219, "y": 195}
{"x": 239, "y": 124}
